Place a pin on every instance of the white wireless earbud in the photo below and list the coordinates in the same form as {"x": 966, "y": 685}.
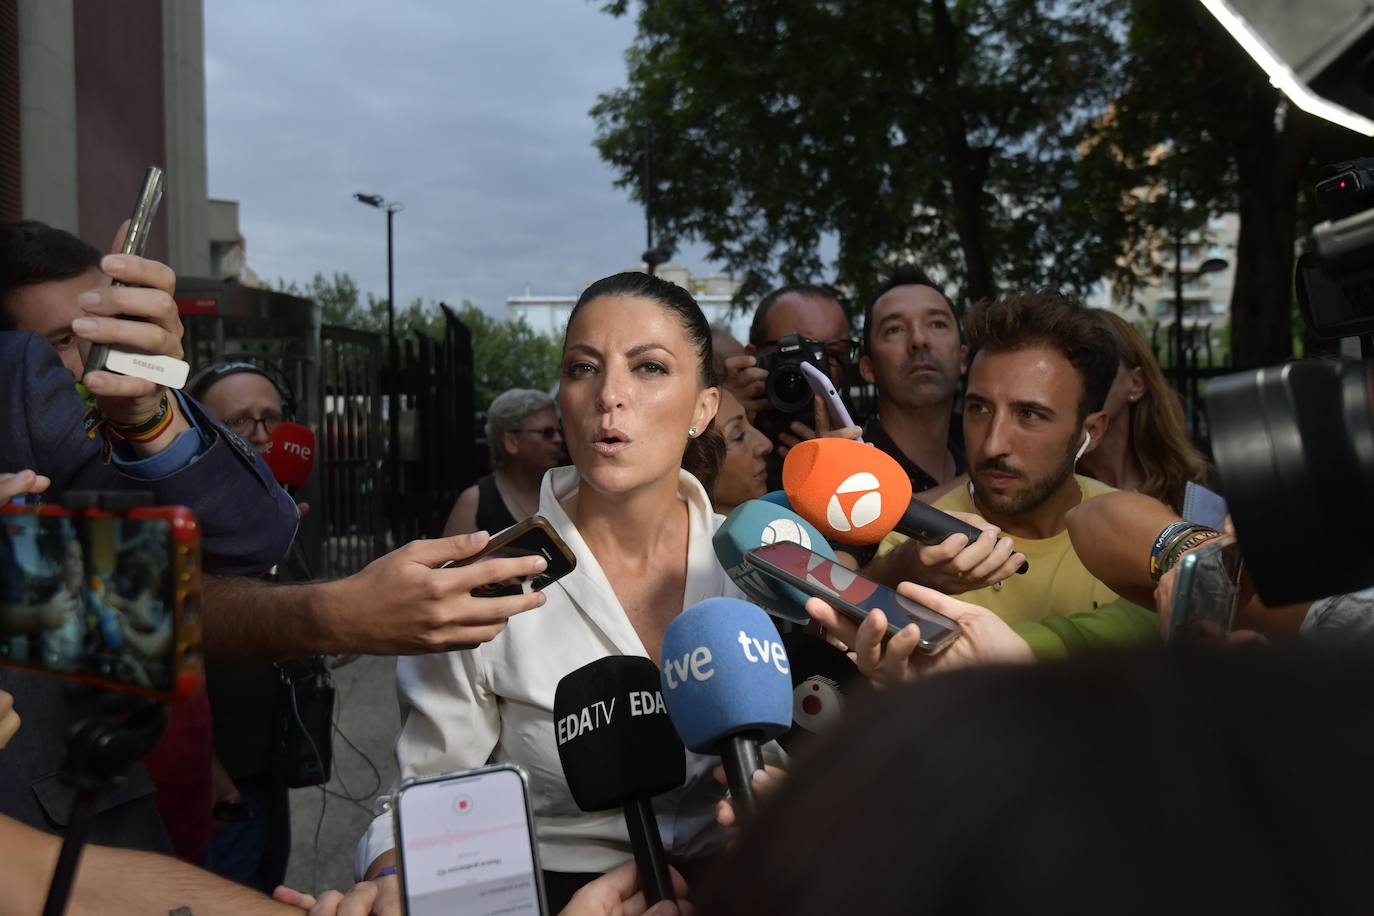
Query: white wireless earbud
{"x": 1087, "y": 437}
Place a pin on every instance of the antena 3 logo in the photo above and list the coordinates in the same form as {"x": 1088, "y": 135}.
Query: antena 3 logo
{"x": 856, "y": 502}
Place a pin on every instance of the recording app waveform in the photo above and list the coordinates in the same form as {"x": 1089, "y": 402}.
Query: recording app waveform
{"x": 459, "y": 837}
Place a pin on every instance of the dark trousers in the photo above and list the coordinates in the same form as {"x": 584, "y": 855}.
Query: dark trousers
{"x": 254, "y": 851}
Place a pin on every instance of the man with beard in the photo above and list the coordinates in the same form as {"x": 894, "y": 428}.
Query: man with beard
{"x": 1039, "y": 371}
{"x": 914, "y": 357}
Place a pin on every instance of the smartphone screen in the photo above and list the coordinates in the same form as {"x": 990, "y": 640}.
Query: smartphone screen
{"x": 1205, "y": 593}
{"x": 90, "y": 597}
{"x": 467, "y": 845}
{"x": 532, "y": 537}
{"x": 852, "y": 594}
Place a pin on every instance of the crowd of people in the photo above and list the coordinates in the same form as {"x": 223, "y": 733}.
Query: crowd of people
{"x": 1058, "y": 755}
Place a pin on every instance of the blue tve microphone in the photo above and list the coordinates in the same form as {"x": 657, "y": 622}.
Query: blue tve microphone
{"x": 757, "y": 523}
{"x": 728, "y": 686}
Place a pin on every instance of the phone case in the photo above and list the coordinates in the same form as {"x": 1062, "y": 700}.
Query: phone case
{"x": 399, "y": 827}
{"x": 757, "y": 559}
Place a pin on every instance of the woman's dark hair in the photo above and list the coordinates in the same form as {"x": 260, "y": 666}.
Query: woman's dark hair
{"x": 705, "y": 453}
{"x": 1224, "y": 782}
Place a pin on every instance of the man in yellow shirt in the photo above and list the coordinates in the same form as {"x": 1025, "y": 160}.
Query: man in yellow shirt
{"x": 1039, "y": 371}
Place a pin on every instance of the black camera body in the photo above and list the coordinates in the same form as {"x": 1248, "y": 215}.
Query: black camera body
{"x": 787, "y": 389}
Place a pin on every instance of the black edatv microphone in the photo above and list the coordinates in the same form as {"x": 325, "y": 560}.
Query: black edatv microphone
{"x": 619, "y": 749}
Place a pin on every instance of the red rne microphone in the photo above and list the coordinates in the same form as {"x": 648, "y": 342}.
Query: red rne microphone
{"x": 290, "y": 454}
{"x": 856, "y": 494}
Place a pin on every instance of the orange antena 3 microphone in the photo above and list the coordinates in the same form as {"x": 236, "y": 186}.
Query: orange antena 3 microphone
{"x": 856, "y": 494}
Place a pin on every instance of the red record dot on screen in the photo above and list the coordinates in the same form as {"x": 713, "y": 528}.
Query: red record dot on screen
{"x": 462, "y": 804}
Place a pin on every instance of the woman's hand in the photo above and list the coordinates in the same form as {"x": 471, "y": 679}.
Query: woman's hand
{"x": 20, "y": 483}
{"x": 9, "y": 719}
{"x": 765, "y": 782}
{"x": 617, "y": 893}
{"x": 985, "y": 639}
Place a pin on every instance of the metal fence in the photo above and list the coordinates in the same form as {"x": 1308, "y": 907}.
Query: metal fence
{"x": 352, "y": 462}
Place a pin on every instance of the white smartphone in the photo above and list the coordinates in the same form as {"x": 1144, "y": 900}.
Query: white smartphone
{"x": 821, "y": 384}
{"x": 466, "y": 844}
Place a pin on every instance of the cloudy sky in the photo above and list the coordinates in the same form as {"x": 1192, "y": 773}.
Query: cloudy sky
{"x": 473, "y": 114}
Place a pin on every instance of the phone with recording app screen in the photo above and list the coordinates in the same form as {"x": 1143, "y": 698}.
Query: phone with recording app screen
{"x": 852, "y": 594}
{"x": 1206, "y": 591}
{"x": 467, "y": 844}
{"x": 533, "y": 536}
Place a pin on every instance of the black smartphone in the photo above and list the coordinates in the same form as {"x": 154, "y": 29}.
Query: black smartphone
{"x": 1206, "y": 591}
{"x": 532, "y": 537}
{"x": 105, "y": 598}
{"x": 852, "y": 594}
{"x": 466, "y": 844}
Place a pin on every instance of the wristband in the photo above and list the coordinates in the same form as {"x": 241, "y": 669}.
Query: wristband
{"x": 389, "y": 870}
{"x": 147, "y": 430}
{"x": 1166, "y": 539}
{"x": 1184, "y": 544}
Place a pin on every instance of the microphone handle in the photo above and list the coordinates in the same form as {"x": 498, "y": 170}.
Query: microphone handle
{"x": 927, "y": 524}
{"x": 742, "y": 760}
{"x": 647, "y": 846}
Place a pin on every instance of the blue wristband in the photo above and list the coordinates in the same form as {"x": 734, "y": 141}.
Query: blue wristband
{"x": 389, "y": 870}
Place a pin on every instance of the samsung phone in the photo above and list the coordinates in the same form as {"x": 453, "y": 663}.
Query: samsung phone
{"x": 159, "y": 369}
{"x": 822, "y": 385}
{"x": 105, "y": 598}
{"x": 467, "y": 845}
{"x": 852, "y": 594}
{"x": 1206, "y": 591}
{"x": 532, "y": 537}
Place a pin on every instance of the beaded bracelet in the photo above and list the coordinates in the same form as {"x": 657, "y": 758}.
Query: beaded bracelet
{"x": 1194, "y": 539}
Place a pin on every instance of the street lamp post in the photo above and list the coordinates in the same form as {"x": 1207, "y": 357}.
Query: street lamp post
{"x": 393, "y": 351}
{"x": 1211, "y": 265}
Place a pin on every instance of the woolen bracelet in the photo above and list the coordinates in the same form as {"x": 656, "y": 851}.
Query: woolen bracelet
{"x": 135, "y": 432}
{"x": 1162, "y": 544}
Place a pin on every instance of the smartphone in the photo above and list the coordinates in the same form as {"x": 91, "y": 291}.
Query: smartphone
{"x": 1206, "y": 591}
{"x": 852, "y": 594}
{"x": 104, "y": 598}
{"x": 162, "y": 370}
{"x": 822, "y": 385}
{"x": 467, "y": 845}
{"x": 533, "y": 536}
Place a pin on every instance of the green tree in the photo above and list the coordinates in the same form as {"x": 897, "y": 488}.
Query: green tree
{"x": 939, "y": 130}
{"x": 506, "y": 354}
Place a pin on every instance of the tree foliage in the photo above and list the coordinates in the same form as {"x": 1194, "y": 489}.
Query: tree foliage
{"x": 943, "y": 131}
{"x": 506, "y": 354}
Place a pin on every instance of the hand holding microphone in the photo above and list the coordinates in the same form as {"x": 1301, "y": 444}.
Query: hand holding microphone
{"x": 728, "y": 687}
{"x": 856, "y": 494}
{"x": 618, "y": 749}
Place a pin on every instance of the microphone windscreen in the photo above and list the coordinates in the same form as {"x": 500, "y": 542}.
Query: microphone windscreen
{"x": 724, "y": 673}
{"x": 824, "y": 682}
{"x": 757, "y": 523}
{"x": 777, "y": 498}
{"x": 615, "y": 739}
{"x": 290, "y": 454}
{"x": 853, "y": 492}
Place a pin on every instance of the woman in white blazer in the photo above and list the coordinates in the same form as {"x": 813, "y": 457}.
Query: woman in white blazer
{"x": 637, "y": 393}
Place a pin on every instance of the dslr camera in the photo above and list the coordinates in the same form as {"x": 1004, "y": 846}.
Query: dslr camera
{"x": 787, "y": 389}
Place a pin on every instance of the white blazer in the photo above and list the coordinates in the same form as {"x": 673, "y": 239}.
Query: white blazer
{"x": 494, "y": 703}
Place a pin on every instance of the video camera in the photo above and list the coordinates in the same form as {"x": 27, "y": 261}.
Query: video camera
{"x": 1294, "y": 444}
{"x": 787, "y": 389}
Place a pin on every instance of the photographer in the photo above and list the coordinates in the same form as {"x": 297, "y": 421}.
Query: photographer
{"x": 810, "y": 312}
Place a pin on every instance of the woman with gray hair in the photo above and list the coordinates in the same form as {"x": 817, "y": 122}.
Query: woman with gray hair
{"x": 525, "y": 441}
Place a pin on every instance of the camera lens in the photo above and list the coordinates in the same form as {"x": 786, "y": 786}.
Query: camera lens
{"x": 788, "y": 391}
{"x": 1294, "y": 448}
